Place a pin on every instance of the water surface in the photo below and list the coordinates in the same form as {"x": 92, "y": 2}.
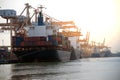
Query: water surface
{"x": 82, "y": 69}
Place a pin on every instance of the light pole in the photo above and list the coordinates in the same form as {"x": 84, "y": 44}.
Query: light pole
{"x": 11, "y": 40}
{"x": 2, "y": 42}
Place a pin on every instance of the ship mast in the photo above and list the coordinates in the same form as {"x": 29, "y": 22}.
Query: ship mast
{"x": 40, "y": 17}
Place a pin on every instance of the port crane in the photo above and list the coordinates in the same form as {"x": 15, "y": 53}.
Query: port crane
{"x": 85, "y": 46}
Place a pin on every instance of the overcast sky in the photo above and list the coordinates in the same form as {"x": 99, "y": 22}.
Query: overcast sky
{"x": 100, "y": 17}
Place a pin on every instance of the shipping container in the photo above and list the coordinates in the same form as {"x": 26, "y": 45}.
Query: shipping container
{"x": 35, "y": 43}
{"x": 58, "y": 38}
{"x": 59, "y": 42}
{"x": 55, "y": 43}
{"x": 28, "y": 43}
{"x": 50, "y": 38}
{"x": 43, "y": 39}
{"x": 41, "y": 43}
{"x": 49, "y": 43}
{"x": 54, "y": 38}
{"x": 16, "y": 40}
{"x": 22, "y": 44}
{"x": 35, "y": 38}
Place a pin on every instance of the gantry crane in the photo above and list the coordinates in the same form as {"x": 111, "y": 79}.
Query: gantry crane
{"x": 68, "y": 29}
{"x": 85, "y": 46}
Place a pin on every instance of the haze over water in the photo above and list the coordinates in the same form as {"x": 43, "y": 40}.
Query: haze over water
{"x": 83, "y": 69}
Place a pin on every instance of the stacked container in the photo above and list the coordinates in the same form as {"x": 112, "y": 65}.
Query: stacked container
{"x": 16, "y": 40}
{"x": 34, "y": 41}
{"x": 55, "y": 39}
{"x": 29, "y": 41}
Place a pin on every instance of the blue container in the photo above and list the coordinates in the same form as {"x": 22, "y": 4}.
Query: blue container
{"x": 17, "y": 41}
{"x": 55, "y": 43}
{"x": 50, "y": 38}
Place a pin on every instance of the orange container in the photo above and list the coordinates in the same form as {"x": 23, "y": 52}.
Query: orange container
{"x": 58, "y": 38}
{"x": 42, "y": 43}
{"x": 22, "y": 44}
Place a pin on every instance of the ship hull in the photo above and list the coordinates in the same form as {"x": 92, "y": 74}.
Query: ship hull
{"x": 75, "y": 54}
{"x": 95, "y": 55}
{"x": 47, "y": 55}
{"x": 43, "y": 55}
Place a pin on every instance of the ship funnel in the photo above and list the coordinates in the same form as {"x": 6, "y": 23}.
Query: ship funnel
{"x": 40, "y": 17}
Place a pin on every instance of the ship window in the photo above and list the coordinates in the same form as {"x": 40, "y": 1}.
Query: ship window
{"x": 3, "y": 13}
{"x": 32, "y": 28}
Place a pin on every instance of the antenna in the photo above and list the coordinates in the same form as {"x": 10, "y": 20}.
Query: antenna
{"x": 41, "y": 7}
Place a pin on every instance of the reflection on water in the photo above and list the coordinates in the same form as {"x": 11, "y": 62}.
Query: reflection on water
{"x": 5, "y": 71}
{"x": 83, "y": 69}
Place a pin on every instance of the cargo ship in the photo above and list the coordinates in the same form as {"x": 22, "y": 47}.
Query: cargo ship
{"x": 44, "y": 39}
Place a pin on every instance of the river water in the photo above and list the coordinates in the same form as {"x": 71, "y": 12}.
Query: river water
{"x": 82, "y": 69}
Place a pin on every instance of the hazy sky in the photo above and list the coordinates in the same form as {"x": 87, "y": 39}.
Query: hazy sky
{"x": 100, "y": 17}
